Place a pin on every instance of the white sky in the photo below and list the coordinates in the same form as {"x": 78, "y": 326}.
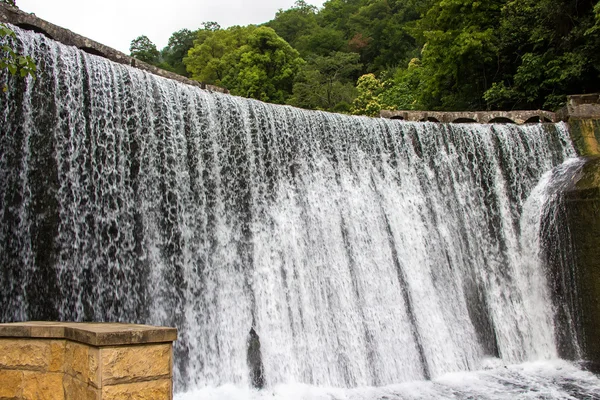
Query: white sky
{"x": 115, "y": 23}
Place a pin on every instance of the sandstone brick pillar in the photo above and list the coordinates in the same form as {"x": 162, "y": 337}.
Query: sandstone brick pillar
{"x": 85, "y": 361}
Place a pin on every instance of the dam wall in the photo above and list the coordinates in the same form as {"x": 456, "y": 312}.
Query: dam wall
{"x": 288, "y": 223}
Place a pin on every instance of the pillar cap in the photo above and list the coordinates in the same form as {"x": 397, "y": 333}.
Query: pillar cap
{"x": 93, "y": 334}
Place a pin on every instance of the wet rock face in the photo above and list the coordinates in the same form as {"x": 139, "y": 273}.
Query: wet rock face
{"x": 582, "y": 204}
{"x": 585, "y": 133}
{"x": 255, "y": 364}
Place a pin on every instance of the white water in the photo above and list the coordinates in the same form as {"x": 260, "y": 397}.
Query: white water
{"x": 364, "y": 252}
{"x": 537, "y": 380}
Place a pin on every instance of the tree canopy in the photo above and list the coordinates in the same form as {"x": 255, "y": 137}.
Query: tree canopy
{"x": 362, "y": 55}
{"x": 249, "y": 61}
{"x": 143, "y": 49}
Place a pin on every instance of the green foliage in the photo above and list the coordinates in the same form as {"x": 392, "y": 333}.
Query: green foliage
{"x": 264, "y": 67}
{"x": 171, "y": 57}
{"x": 427, "y": 54}
{"x": 539, "y": 64}
{"x": 459, "y": 51}
{"x": 326, "y": 82}
{"x": 213, "y": 54}
{"x": 379, "y": 33}
{"x": 9, "y": 2}
{"x": 144, "y": 50}
{"x": 11, "y": 60}
{"x": 211, "y": 26}
{"x": 369, "y": 100}
{"x": 250, "y": 61}
{"x": 295, "y": 23}
{"x": 402, "y": 91}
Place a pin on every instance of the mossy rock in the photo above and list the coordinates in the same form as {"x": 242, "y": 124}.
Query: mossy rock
{"x": 586, "y": 184}
{"x": 585, "y": 133}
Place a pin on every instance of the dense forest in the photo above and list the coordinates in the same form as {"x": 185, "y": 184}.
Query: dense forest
{"x": 361, "y": 56}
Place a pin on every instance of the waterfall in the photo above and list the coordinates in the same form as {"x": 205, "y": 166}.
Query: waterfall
{"x": 351, "y": 251}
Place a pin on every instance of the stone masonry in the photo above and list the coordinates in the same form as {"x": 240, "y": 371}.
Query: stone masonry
{"x": 85, "y": 361}
{"x": 482, "y": 117}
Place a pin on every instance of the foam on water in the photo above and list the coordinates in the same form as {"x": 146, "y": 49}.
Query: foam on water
{"x": 548, "y": 380}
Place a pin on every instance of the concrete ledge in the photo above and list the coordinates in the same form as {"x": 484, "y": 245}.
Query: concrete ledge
{"x": 14, "y": 16}
{"x": 90, "y": 361}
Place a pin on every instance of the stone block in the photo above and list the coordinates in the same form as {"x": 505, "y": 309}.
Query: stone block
{"x": 153, "y": 390}
{"x": 135, "y": 363}
{"x": 24, "y": 354}
{"x": 56, "y": 363}
{"x": 82, "y": 362}
{"x": 43, "y": 386}
{"x": 11, "y": 384}
{"x": 77, "y": 390}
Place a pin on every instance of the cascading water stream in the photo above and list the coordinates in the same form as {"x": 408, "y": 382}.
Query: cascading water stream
{"x": 362, "y": 252}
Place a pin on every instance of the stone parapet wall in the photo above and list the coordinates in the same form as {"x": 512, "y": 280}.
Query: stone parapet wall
{"x": 583, "y": 105}
{"x": 96, "y": 362}
{"x": 482, "y": 117}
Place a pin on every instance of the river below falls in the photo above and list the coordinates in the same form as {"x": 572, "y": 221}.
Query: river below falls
{"x": 548, "y": 380}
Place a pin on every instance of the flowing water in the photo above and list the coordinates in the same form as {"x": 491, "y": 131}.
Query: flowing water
{"x": 334, "y": 256}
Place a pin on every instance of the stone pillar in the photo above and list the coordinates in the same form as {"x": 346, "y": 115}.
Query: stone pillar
{"x": 85, "y": 361}
{"x": 582, "y": 203}
{"x": 582, "y": 112}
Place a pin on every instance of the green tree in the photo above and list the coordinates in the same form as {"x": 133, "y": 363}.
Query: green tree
{"x": 321, "y": 41}
{"x": 177, "y": 48}
{"x": 369, "y": 100}
{"x": 298, "y": 21}
{"x": 249, "y": 61}
{"x": 336, "y": 14}
{"x": 401, "y": 92}
{"x": 539, "y": 64}
{"x": 379, "y": 30}
{"x": 264, "y": 67}
{"x": 211, "y": 26}
{"x": 326, "y": 82}
{"x": 214, "y": 53}
{"x": 144, "y": 50}
{"x": 459, "y": 54}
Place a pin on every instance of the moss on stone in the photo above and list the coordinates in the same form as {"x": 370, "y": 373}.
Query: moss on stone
{"x": 585, "y": 133}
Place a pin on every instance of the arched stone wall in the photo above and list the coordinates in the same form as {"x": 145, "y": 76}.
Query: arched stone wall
{"x": 483, "y": 117}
